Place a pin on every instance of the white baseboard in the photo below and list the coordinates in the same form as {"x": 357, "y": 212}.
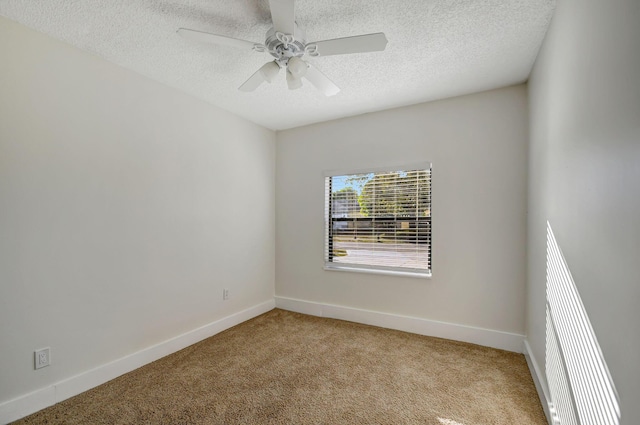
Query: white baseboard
{"x": 486, "y": 337}
{"x": 538, "y": 379}
{"x": 25, "y": 405}
{"x": 30, "y": 403}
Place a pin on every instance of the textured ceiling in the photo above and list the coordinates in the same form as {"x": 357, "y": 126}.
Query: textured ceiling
{"x": 437, "y": 48}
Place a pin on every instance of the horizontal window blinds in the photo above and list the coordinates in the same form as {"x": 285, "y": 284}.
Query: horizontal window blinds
{"x": 582, "y": 391}
{"x": 379, "y": 220}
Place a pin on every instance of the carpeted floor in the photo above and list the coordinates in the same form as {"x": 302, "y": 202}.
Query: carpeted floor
{"x": 289, "y": 368}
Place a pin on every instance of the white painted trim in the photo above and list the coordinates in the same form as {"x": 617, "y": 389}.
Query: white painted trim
{"x": 424, "y": 165}
{"x": 27, "y": 404}
{"x": 486, "y": 337}
{"x": 337, "y": 267}
{"x": 538, "y": 379}
{"x": 30, "y": 403}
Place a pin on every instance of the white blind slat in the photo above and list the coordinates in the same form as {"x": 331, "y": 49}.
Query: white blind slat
{"x": 581, "y": 387}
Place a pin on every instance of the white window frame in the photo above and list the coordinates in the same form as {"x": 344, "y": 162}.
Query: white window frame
{"x": 375, "y": 269}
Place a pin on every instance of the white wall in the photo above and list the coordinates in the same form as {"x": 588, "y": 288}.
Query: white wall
{"x": 585, "y": 177}
{"x": 125, "y": 209}
{"x": 478, "y": 147}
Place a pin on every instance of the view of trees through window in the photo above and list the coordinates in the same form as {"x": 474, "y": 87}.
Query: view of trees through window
{"x": 380, "y": 220}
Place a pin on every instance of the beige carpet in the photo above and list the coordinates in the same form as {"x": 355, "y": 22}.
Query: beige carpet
{"x": 289, "y": 368}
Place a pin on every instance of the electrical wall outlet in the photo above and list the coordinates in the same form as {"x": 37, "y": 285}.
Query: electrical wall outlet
{"x": 225, "y": 294}
{"x": 42, "y": 357}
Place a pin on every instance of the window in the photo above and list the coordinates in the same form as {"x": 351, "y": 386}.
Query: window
{"x": 379, "y": 221}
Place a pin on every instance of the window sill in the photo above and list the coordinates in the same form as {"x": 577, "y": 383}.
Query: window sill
{"x": 420, "y": 275}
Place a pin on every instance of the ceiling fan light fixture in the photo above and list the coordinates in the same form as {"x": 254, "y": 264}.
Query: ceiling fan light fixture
{"x": 297, "y": 67}
{"x": 292, "y": 82}
{"x": 287, "y": 43}
{"x": 269, "y": 71}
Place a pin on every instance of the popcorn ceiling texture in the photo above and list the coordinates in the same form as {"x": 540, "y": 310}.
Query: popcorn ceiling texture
{"x": 437, "y": 48}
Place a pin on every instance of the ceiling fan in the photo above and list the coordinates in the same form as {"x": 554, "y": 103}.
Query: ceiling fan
{"x": 287, "y": 43}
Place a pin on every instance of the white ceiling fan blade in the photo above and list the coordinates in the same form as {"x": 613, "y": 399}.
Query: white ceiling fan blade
{"x": 283, "y": 15}
{"x": 357, "y": 44}
{"x": 206, "y": 37}
{"x": 320, "y": 81}
{"x": 267, "y": 72}
{"x": 253, "y": 82}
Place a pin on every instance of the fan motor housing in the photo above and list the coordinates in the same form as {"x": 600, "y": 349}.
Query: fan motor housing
{"x": 281, "y": 50}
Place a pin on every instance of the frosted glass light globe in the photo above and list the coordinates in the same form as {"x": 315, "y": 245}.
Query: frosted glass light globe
{"x": 297, "y": 67}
